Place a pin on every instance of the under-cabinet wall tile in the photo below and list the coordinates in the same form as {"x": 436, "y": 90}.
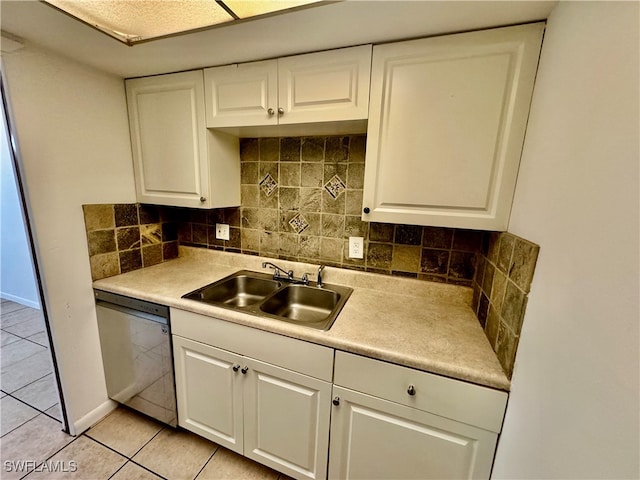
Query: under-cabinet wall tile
{"x": 357, "y": 147}
{"x": 406, "y": 258}
{"x": 290, "y": 149}
{"x": 101, "y": 241}
{"x": 148, "y": 214}
{"x": 128, "y": 238}
{"x": 98, "y": 217}
{"x": 249, "y": 150}
{"x": 104, "y": 265}
{"x": 506, "y": 264}
{"x": 126, "y": 214}
{"x": 467, "y": 240}
{"x": 462, "y": 266}
{"x": 505, "y": 252}
{"x": 513, "y": 306}
{"x": 435, "y": 237}
{"x": 331, "y": 249}
{"x": 434, "y": 262}
{"x": 337, "y": 149}
{"x": 525, "y": 256}
{"x": 381, "y": 232}
{"x": 313, "y": 149}
{"x": 269, "y": 149}
{"x": 379, "y": 255}
{"x": 130, "y": 260}
{"x": 249, "y": 173}
{"x": 408, "y": 235}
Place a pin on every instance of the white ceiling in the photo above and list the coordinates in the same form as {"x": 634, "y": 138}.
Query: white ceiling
{"x": 328, "y": 26}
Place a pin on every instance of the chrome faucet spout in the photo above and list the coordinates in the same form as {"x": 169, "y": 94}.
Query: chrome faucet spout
{"x": 319, "y": 280}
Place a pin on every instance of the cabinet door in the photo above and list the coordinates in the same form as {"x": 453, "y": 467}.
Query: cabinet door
{"x": 325, "y": 86}
{"x": 166, "y": 118}
{"x": 241, "y": 95}
{"x": 446, "y": 126}
{"x": 209, "y": 393}
{"x": 286, "y": 420}
{"x": 373, "y": 438}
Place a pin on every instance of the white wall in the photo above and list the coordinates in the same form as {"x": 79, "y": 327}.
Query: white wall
{"x": 17, "y": 278}
{"x": 575, "y": 401}
{"x": 72, "y": 132}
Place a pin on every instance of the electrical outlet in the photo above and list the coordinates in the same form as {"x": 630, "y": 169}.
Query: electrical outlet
{"x": 222, "y": 231}
{"x": 356, "y": 247}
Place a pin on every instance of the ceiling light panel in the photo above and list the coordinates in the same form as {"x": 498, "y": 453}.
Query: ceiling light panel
{"x": 253, "y": 8}
{"x": 133, "y": 21}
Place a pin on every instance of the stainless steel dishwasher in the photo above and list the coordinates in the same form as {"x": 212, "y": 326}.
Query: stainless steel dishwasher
{"x": 135, "y": 338}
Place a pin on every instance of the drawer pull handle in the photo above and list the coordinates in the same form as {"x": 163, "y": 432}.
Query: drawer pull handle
{"x": 411, "y": 390}
{"x": 244, "y": 370}
{"x": 336, "y": 401}
{"x": 236, "y": 368}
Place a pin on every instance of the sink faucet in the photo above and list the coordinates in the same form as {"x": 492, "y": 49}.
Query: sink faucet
{"x": 277, "y": 270}
{"x": 319, "y": 280}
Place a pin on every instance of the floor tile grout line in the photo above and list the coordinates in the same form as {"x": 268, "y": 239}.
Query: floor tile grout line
{"x": 147, "y": 469}
{"x": 50, "y": 456}
{"x": 28, "y": 404}
{"x": 21, "y": 425}
{"x": 208, "y": 460}
{"x": 129, "y": 459}
{"x": 28, "y": 384}
{"x": 23, "y": 338}
{"x": 147, "y": 442}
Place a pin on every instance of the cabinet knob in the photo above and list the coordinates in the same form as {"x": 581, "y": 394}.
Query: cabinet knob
{"x": 271, "y": 112}
{"x": 244, "y": 370}
{"x": 280, "y": 111}
{"x": 203, "y": 199}
{"x": 236, "y": 368}
{"x": 366, "y": 210}
{"x": 411, "y": 390}
{"x": 336, "y": 401}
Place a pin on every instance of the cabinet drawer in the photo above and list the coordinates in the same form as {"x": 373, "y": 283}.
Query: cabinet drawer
{"x": 472, "y": 404}
{"x": 297, "y": 355}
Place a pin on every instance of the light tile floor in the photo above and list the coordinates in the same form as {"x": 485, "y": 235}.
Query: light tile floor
{"x": 124, "y": 445}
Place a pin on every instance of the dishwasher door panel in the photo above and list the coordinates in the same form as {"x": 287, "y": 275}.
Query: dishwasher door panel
{"x": 138, "y": 362}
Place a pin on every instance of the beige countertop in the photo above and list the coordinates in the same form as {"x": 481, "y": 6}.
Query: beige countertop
{"x": 425, "y": 325}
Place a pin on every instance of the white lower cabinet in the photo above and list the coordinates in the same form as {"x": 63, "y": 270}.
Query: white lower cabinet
{"x": 274, "y": 415}
{"x": 415, "y": 436}
{"x": 271, "y": 399}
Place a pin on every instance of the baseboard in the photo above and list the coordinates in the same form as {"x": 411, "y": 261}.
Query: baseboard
{"x": 22, "y": 301}
{"x": 93, "y": 417}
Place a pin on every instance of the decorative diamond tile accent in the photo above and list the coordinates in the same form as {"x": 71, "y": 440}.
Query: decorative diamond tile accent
{"x": 268, "y": 185}
{"x": 299, "y": 223}
{"x": 335, "y": 186}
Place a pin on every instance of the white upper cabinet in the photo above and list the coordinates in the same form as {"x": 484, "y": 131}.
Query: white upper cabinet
{"x": 328, "y": 86}
{"x": 447, "y": 120}
{"x": 176, "y": 160}
{"x": 242, "y": 95}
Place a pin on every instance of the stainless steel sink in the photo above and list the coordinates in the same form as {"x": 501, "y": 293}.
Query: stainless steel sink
{"x": 241, "y": 289}
{"x": 259, "y": 294}
{"x": 307, "y": 305}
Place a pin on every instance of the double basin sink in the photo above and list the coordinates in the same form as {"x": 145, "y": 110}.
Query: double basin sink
{"x": 260, "y": 294}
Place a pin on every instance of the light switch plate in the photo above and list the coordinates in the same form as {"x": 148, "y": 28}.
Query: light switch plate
{"x": 222, "y": 231}
{"x": 356, "y": 247}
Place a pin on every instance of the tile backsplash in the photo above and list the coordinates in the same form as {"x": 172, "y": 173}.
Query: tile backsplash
{"x": 500, "y": 291}
{"x": 301, "y": 200}
{"x": 126, "y": 237}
